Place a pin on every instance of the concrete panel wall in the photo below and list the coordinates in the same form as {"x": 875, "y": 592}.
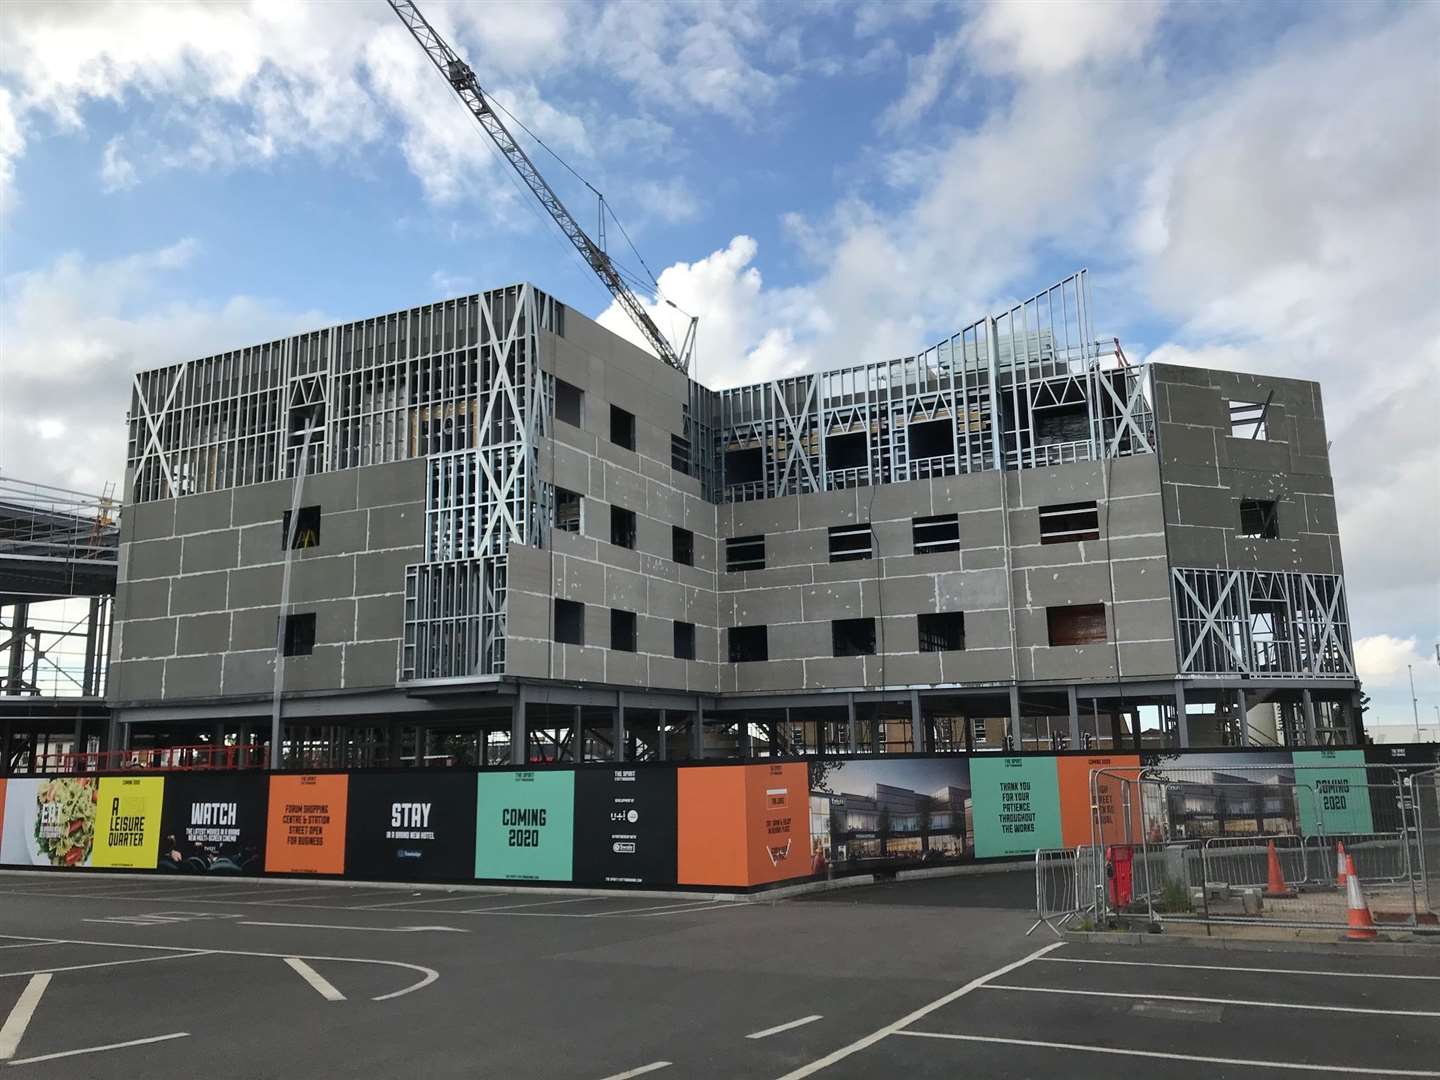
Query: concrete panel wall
{"x": 1206, "y": 471}
{"x": 195, "y": 618}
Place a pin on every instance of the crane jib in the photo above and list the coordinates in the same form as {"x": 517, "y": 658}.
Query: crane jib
{"x": 462, "y": 80}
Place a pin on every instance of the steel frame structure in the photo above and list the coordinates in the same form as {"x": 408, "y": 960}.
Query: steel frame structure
{"x": 1000, "y": 385}
{"x": 1266, "y": 623}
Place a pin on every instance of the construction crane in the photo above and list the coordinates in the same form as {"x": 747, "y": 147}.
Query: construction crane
{"x": 462, "y": 80}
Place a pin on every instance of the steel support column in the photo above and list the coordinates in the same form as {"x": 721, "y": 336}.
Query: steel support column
{"x": 1073, "y": 701}
{"x": 1017, "y": 737}
{"x": 1244, "y": 716}
{"x": 617, "y": 731}
{"x": 1182, "y": 718}
{"x": 1308, "y": 704}
{"x": 697, "y": 732}
{"x": 518, "y": 752}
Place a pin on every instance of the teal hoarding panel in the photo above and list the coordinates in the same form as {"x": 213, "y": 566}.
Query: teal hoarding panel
{"x": 1338, "y": 789}
{"x": 525, "y": 825}
{"x": 1016, "y": 805}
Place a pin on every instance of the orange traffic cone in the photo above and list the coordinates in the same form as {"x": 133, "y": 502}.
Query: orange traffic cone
{"x": 1340, "y": 858}
{"x": 1361, "y": 925}
{"x": 1275, "y": 888}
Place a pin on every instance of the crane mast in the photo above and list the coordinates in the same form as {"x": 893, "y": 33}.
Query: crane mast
{"x": 462, "y": 80}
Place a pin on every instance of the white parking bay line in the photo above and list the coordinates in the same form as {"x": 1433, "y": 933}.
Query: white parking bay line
{"x": 641, "y": 1071}
{"x": 1349, "y": 1070}
{"x": 322, "y": 985}
{"x": 784, "y": 1027}
{"x": 909, "y": 1018}
{"x": 19, "y": 1018}
{"x": 101, "y": 1049}
{"x": 1231, "y": 967}
{"x": 1212, "y": 1001}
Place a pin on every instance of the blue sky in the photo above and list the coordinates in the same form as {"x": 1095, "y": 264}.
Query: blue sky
{"x": 1252, "y": 186}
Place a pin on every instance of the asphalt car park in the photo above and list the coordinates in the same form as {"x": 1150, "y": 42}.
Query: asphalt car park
{"x": 150, "y": 977}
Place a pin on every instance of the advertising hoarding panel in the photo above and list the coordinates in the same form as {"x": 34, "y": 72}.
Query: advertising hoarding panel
{"x": 305, "y": 824}
{"x": 127, "y": 822}
{"x": 888, "y": 813}
{"x": 49, "y": 822}
{"x": 777, "y": 822}
{"x": 214, "y": 823}
{"x": 1017, "y": 805}
{"x": 625, "y": 828}
{"x": 525, "y": 825}
{"x": 1073, "y": 774}
{"x": 418, "y": 825}
{"x": 712, "y": 841}
{"x": 1340, "y": 802}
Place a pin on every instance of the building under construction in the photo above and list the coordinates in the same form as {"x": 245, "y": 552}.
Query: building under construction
{"x": 488, "y": 530}
{"x": 58, "y": 558}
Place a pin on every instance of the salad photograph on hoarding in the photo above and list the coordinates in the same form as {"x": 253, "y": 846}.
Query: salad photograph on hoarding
{"x": 49, "y": 822}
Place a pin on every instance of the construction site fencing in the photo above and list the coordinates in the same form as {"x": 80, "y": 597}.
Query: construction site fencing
{"x": 166, "y": 758}
{"x": 1263, "y": 844}
{"x": 1063, "y": 886}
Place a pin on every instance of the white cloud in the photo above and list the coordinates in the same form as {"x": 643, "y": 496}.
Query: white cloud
{"x": 225, "y": 86}
{"x": 75, "y": 330}
{"x": 116, "y": 172}
{"x": 1383, "y": 660}
{"x": 672, "y": 201}
{"x": 1037, "y": 39}
{"x": 746, "y": 332}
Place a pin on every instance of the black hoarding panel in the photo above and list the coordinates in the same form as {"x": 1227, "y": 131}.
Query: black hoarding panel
{"x": 625, "y": 826}
{"x": 214, "y": 823}
{"x": 1404, "y": 755}
{"x": 412, "y": 826}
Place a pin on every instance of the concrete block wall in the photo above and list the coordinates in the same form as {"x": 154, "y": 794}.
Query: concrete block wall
{"x": 1206, "y": 471}
{"x": 200, "y": 580}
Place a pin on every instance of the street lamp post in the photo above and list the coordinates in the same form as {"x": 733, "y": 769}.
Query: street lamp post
{"x": 1414, "y": 701}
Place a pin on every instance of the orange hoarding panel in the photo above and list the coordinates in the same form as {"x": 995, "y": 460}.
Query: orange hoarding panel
{"x": 778, "y": 822}
{"x": 305, "y": 830}
{"x": 711, "y": 825}
{"x": 1074, "y": 775}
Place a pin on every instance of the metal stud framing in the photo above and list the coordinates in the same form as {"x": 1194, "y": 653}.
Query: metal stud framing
{"x": 1062, "y": 397}
{"x": 1262, "y": 623}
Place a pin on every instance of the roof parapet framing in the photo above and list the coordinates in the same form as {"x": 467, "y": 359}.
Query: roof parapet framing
{"x": 1028, "y": 388}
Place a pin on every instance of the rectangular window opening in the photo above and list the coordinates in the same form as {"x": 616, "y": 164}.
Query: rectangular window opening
{"x": 942, "y": 632}
{"x": 680, "y": 454}
{"x": 682, "y": 545}
{"x": 1248, "y": 420}
{"x": 622, "y": 630}
{"x": 853, "y": 637}
{"x": 744, "y": 466}
{"x": 749, "y": 644}
{"x": 684, "y": 641}
{"x": 935, "y": 534}
{"x": 932, "y": 438}
{"x": 569, "y": 402}
{"x": 846, "y": 451}
{"x": 1076, "y": 624}
{"x": 1259, "y": 520}
{"x": 1067, "y": 522}
{"x": 307, "y": 529}
{"x": 744, "y": 553}
{"x": 622, "y": 427}
{"x": 622, "y": 527}
{"x": 977, "y": 729}
{"x": 300, "y": 634}
{"x": 569, "y": 622}
{"x": 849, "y": 543}
{"x": 567, "y": 510}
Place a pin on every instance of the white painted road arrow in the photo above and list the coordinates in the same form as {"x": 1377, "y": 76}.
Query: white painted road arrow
{"x": 371, "y": 929}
